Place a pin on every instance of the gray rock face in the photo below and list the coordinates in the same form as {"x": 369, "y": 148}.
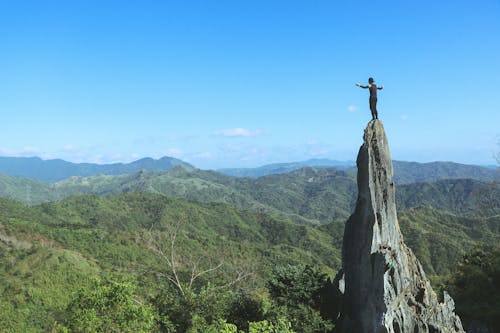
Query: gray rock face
{"x": 383, "y": 284}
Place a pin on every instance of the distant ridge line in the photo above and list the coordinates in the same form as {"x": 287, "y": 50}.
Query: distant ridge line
{"x": 57, "y": 169}
{"x": 405, "y": 172}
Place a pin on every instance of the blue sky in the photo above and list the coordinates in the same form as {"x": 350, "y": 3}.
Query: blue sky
{"x": 245, "y": 83}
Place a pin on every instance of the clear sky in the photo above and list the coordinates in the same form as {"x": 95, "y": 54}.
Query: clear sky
{"x": 241, "y": 83}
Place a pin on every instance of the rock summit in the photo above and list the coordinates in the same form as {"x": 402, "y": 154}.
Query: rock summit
{"x": 383, "y": 285}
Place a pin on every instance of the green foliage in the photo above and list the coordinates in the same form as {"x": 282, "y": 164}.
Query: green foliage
{"x": 36, "y": 284}
{"x": 440, "y": 239}
{"x": 304, "y": 295}
{"x": 465, "y": 197}
{"x": 280, "y": 326}
{"x": 245, "y": 308}
{"x": 475, "y": 287}
{"x": 109, "y": 307}
{"x": 305, "y": 196}
{"x": 50, "y": 249}
{"x": 220, "y": 327}
{"x": 195, "y": 310}
{"x": 26, "y": 190}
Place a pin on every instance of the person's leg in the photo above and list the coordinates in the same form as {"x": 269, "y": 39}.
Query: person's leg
{"x": 373, "y": 107}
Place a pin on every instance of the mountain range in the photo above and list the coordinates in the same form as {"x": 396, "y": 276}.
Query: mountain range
{"x": 57, "y": 169}
{"x": 306, "y": 196}
{"x": 405, "y": 172}
{"x": 54, "y": 235}
{"x": 278, "y": 168}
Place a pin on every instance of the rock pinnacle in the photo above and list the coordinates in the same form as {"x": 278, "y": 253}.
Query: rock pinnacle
{"x": 383, "y": 284}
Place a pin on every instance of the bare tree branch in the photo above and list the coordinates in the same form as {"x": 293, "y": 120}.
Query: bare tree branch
{"x": 240, "y": 277}
{"x": 194, "y": 275}
{"x": 166, "y": 249}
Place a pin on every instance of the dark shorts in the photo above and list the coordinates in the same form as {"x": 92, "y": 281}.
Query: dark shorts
{"x": 373, "y": 104}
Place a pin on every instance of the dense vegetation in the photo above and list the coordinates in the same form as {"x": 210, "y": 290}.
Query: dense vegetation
{"x": 440, "y": 239}
{"x": 475, "y": 287}
{"x": 197, "y": 251}
{"x": 49, "y": 251}
{"x": 306, "y": 196}
{"x": 412, "y": 172}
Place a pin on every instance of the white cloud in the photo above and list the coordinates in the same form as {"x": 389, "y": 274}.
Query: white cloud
{"x": 239, "y": 132}
{"x": 70, "y": 149}
{"x": 5, "y": 152}
{"x": 46, "y": 156}
{"x": 404, "y": 117}
{"x": 229, "y": 148}
{"x": 174, "y": 152}
{"x": 203, "y": 155}
{"x": 352, "y": 108}
{"x": 30, "y": 150}
{"x": 27, "y": 151}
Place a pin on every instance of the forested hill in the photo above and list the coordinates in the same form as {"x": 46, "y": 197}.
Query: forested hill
{"x": 279, "y": 168}
{"x": 111, "y": 226}
{"x": 404, "y": 172}
{"x": 49, "y": 251}
{"x": 412, "y": 172}
{"x": 305, "y": 196}
{"x": 55, "y": 170}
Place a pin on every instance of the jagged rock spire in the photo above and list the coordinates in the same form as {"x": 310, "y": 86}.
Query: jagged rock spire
{"x": 383, "y": 284}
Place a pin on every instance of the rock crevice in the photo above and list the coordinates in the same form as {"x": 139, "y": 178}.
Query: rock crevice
{"x": 383, "y": 285}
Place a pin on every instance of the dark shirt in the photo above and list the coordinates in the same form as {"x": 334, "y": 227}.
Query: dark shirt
{"x": 373, "y": 90}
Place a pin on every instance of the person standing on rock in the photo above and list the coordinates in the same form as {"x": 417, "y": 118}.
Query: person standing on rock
{"x": 373, "y": 96}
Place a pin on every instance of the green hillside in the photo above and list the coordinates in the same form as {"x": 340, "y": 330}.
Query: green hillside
{"x": 48, "y": 251}
{"x": 297, "y": 192}
{"x": 440, "y": 239}
{"x": 412, "y": 172}
{"x": 279, "y": 168}
{"x": 27, "y": 190}
{"x": 459, "y": 196}
{"x": 306, "y": 196}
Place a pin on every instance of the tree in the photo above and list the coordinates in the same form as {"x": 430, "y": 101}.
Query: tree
{"x": 107, "y": 306}
{"x": 195, "y": 296}
{"x": 195, "y": 309}
{"x": 280, "y": 326}
{"x": 475, "y": 287}
{"x": 222, "y": 327}
{"x": 245, "y": 309}
{"x": 182, "y": 269}
{"x": 304, "y": 295}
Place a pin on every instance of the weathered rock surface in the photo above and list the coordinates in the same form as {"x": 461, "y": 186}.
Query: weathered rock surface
{"x": 383, "y": 284}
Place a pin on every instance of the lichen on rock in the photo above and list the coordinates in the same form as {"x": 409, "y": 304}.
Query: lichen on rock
{"x": 382, "y": 283}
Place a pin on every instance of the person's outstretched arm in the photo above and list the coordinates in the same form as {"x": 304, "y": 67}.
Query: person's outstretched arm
{"x": 380, "y": 88}
{"x": 364, "y": 87}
